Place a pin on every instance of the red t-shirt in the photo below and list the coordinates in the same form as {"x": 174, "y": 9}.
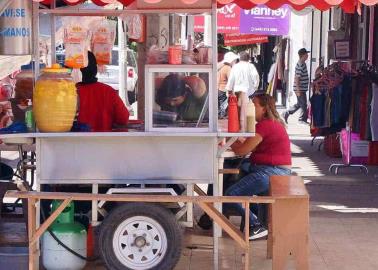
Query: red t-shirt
{"x": 275, "y": 146}
{"x": 101, "y": 107}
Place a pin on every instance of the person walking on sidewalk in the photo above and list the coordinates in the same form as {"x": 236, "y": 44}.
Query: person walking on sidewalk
{"x": 301, "y": 82}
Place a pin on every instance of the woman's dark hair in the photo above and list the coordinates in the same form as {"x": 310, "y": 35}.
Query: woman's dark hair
{"x": 269, "y": 103}
{"x": 171, "y": 87}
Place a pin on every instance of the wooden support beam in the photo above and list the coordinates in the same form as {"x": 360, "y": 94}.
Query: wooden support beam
{"x": 226, "y": 225}
{"x": 135, "y": 198}
{"x": 31, "y": 230}
{"x": 49, "y": 221}
{"x": 199, "y": 191}
{"x": 228, "y": 171}
{"x": 246, "y": 235}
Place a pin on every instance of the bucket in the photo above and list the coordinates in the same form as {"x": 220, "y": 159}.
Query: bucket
{"x": 16, "y": 28}
{"x": 175, "y": 55}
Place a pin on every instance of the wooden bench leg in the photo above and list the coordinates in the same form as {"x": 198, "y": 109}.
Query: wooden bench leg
{"x": 290, "y": 225}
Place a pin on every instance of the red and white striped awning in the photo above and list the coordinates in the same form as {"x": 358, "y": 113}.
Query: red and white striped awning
{"x": 348, "y": 6}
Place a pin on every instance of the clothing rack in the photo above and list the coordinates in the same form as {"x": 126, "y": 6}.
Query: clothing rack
{"x": 365, "y": 68}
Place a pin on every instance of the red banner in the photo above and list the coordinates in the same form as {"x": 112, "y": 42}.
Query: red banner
{"x": 228, "y": 20}
{"x": 239, "y": 39}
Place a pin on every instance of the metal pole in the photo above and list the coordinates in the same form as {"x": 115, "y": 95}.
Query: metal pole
{"x": 35, "y": 35}
{"x": 371, "y": 35}
{"x": 364, "y": 34}
{"x": 321, "y": 37}
{"x": 311, "y": 46}
{"x": 53, "y": 29}
{"x": 122, "y": 56}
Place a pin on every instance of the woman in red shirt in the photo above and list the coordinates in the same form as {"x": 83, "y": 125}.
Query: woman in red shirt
{"x": 269, "y": 155}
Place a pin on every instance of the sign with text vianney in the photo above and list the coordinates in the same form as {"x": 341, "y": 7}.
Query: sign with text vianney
{"x": 262, "y": 20}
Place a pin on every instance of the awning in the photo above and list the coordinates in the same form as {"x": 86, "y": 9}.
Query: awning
{"x": 348, "y": 6}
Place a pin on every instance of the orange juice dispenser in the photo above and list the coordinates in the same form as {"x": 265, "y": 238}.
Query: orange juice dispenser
{"x": 54, "y": 100}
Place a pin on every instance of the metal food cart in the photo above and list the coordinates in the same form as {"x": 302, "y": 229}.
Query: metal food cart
{"x": 186, "y": 156}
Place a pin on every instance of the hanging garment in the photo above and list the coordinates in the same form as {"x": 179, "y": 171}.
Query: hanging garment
{"x": 374, "y": 113}
{"x": 369, "y": 99}
{"x": 346, "y": 99}
{"x": 336, "y": 105}
{"x": 363, "y": 111}
{"x": 318, "y": 110}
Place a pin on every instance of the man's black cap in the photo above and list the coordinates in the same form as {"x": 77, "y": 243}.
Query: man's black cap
{"x": 303, "y": 51}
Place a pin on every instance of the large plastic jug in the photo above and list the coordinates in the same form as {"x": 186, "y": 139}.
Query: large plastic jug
{"x": 54, "y": 100}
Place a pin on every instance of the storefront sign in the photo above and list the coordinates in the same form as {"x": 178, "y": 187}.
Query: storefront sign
{"x": 240, "y": 39}
{"x": 228, "y": 18}
{"x": 15, "y": 28}
{"x": 342, "y": 49}
{"x": 262, "y": 20}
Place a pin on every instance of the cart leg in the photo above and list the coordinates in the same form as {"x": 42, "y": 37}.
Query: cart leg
{"x": 216, "y": 249}
{"x": 33, "y": 250}
{"x": 94, "y": 206}
{"x": 189, "y": 205}
{"x": 218, "y": 191}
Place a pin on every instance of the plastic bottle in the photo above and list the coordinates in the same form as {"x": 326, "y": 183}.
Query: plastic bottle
{"x": 243, "y": 111}
{"x": 251, "y": 117}
{"x": 233, "y": 118}
{"x": 29, "y": 117}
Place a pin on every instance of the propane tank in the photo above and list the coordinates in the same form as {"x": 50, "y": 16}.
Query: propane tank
{"x": 70, "y": 233}
{"x": 233, "y": 119}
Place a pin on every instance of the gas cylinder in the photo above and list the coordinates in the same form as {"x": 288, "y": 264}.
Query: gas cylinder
{"x": 233, "y": 118}
{"x": 70, "y": 233}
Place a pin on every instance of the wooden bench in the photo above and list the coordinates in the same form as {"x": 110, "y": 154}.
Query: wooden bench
{"x": 288, "y": 222}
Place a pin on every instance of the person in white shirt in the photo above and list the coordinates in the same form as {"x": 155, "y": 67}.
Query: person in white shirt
{"x": 244, "y": 81}
{"x": 244, "y": 76}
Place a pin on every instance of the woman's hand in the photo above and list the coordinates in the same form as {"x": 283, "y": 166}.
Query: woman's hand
{"x": 246, "y": 147}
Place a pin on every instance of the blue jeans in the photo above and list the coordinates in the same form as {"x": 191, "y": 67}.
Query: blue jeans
{"x": 255, "y": 183}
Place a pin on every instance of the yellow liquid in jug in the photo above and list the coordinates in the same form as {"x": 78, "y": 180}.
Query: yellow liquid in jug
{"x": 54, "y": 105}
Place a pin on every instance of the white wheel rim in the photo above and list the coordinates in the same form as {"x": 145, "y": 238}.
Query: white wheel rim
{"x": 140, "y": 243}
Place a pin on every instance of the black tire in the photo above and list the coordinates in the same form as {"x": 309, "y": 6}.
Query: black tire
{"x": 128, "y": 210}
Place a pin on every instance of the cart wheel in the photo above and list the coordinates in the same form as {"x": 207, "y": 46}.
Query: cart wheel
{"x": 140, "y": 236}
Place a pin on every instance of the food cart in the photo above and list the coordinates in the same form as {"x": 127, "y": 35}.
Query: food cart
{"x": 137, "y": 235}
